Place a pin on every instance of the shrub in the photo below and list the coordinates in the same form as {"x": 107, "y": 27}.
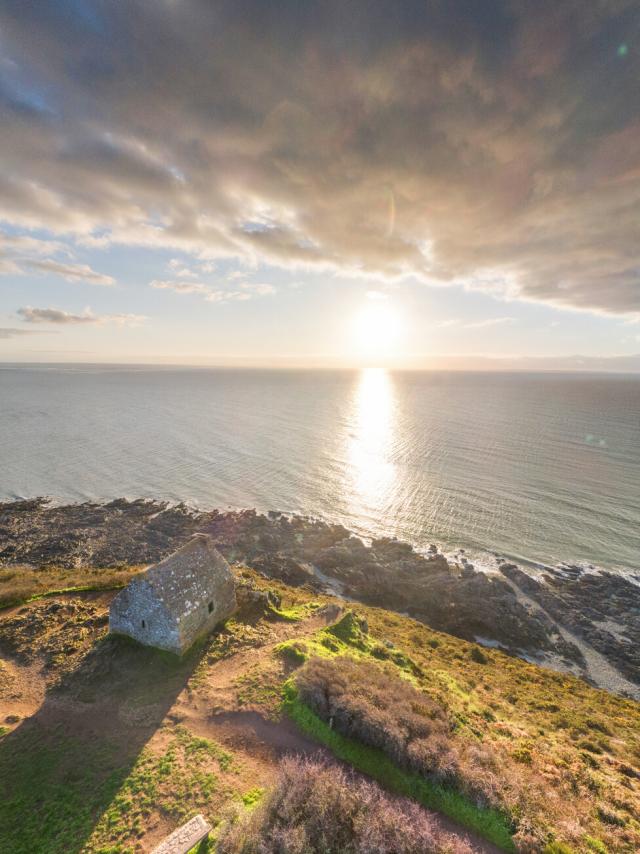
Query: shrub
{"x": 320, "y": 807}
{"x": 350, "y": 628}
{"x": 599, "y": 726}
{"x": 373, "y": 705}
{"x": 295, "y": 652}
{"x": 610, "y": 817}
{"x": 478, "y": 655}
{"x": 523, "y": 753}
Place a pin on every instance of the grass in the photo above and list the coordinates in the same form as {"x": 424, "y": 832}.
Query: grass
{"x": 62, "y": 792}
{"x": 294, "y": 613}
{"x": 22, "y": 584}
{"x": 66, "y": 794}
{"x": 521, "y": 714}
{"x": 258, "y": 688}
{"x": 346, "y": 637}
{"x": 524, "y": 712}
{"x": 50, "y": 789}
{"x": 253, "y": 796}
{"x": 490, "y": 824}
{"x": 197, "y": 748}
{"x": 180, "y": 780}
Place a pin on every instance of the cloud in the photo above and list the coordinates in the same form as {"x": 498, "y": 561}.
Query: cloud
{"x": 179, "y": 268}
{"x": 179, "y": 287}
{"x": 16, "y": 249}
{"x": 489, "y": 321}
{"x": 587, "y": 364}
{"x": 7, "y": 332}
{"x": 474, "y": 324}
{"x": 71, "y": 272}
{"x": 57, "y": 316}
{"x": 24, "y": 244}
{"x": 20, "y": 253}
{"x": 493, "y": 148}
{"x": 9, "y": 266}
{"x": 242, "y": 290}
{"x": 227, "y": 296}
{"x": 260, "y": 289}
{"x": 53, "y": 315}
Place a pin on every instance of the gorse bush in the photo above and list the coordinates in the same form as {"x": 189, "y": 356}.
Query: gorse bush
{"x": 373, "y": 705}
{"x": 320, "y": 807}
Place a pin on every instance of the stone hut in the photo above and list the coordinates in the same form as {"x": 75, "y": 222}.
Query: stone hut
{"x": 178, "y": 600}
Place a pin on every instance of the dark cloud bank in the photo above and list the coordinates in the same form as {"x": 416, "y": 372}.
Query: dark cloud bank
{"x": 491, "y": 143}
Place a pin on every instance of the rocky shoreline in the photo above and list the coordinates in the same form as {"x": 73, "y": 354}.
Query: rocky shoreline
{"x": 587, "y": 623}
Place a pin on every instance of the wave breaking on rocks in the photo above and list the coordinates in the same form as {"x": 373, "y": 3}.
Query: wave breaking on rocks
{"x": 587, "y": 623}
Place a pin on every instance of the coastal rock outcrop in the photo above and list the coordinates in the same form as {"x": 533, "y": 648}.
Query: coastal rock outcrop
{"x": 546, "y": 619}
{"x": 601, "y": 608}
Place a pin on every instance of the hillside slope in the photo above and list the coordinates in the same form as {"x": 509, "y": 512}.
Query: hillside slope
{"x": 107, "y": 745}
{"x": 569, "y": 618}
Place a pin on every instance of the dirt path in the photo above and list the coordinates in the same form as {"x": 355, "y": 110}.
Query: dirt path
{"x": 227, "y": 701}
{"x": 22, "y": 690}
{"x": 267, "y": 740}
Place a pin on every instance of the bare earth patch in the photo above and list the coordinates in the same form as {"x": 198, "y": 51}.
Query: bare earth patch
{"x": 107, "y": 746}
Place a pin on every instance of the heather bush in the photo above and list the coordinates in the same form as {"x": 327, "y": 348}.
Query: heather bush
{"x": 320, "y": 807}
{"x": 375, "y": 706}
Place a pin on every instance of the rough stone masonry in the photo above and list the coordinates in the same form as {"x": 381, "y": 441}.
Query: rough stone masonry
{"x": 172, "y": 604}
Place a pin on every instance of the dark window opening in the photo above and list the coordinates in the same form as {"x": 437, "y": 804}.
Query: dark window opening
{"x": 144, "y": 625}
{"x": 211, "y": 607}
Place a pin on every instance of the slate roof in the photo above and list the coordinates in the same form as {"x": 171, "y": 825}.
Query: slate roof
{"x": 181, "y": 580}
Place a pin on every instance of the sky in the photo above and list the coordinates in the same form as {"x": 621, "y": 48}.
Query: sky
{"x": 443, "y": 183}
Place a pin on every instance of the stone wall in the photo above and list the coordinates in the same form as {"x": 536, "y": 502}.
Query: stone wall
{"x": 138, "y": 613}
{"x": 214, "y": 601}
{"x": 177, "y": 601}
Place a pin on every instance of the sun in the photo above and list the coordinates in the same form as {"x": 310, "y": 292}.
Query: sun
{"x": 376, "y": 330}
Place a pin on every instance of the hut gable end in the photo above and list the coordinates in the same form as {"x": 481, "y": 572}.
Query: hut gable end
{"x": 179, "y": 599}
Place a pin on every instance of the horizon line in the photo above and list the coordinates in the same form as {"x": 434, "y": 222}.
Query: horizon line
{"x": 505, "y": 369}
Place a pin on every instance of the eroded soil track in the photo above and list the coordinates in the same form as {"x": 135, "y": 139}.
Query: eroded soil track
{"x": 103, "y": 711}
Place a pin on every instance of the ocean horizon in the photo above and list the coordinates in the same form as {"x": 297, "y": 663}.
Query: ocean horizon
{"x": 539, "y": 468}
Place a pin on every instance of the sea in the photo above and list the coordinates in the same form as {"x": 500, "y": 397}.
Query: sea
{"x": 539, "y": 468}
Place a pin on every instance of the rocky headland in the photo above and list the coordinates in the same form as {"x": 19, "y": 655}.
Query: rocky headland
{"x": 585, "y": 622}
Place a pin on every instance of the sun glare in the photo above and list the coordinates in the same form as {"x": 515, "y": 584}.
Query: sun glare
{"x": 376, "y": 330}
{"x": 370, "y": 443}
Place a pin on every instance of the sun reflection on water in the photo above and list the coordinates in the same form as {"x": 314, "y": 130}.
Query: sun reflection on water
{"x": 372, "y": 470}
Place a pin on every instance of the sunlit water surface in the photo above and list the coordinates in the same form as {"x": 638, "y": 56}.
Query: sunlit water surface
{"x": 537, "y": 467}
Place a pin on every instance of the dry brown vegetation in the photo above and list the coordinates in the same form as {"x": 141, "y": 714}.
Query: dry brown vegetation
{"x": 580, "y": 746}
{"x": 375, "y": 706}
{"x": 84, "y": 767}
{"x": 320, "y": 807}
{"x": 378, "y": 708}
{"x": 21, "y": 583}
